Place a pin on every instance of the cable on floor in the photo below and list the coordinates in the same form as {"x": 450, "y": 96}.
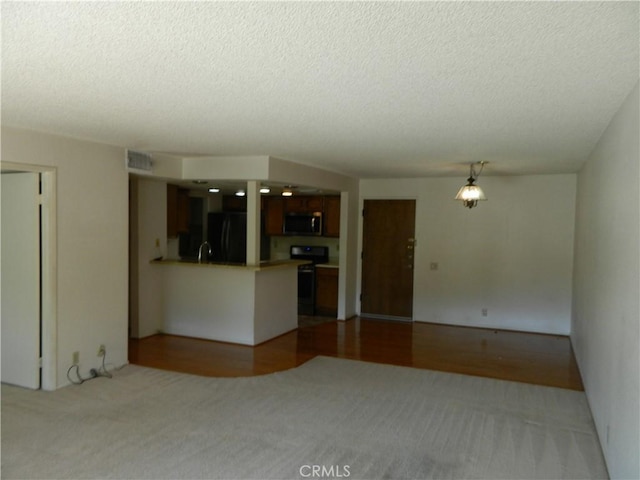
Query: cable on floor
{"x": 102, "y": 371}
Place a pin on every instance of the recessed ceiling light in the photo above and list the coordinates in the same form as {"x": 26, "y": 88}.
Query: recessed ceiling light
{"x": 287, "y": 191}
{"x": 214, "y": 190}
{"x": 265, "y": 190}
{"x": 240, "y": 193}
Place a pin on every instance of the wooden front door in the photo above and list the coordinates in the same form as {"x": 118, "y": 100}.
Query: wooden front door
{"x": 388, "y": 243}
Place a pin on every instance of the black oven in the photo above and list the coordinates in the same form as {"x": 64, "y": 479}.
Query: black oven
{"x": 307, "y": 275}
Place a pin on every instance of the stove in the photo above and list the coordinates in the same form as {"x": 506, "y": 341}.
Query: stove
{"x": 307, "y": 275}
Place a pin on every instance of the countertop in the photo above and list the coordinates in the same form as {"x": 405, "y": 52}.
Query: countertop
{"x": 327, "y": 265}
{"x": 266, "y": 265}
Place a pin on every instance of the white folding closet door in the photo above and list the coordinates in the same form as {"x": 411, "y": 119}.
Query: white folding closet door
{"x": 20, "y": 288}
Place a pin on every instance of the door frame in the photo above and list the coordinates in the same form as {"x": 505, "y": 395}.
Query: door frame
{"x": 49, "y": 291}
{"x": 359, "y": 253}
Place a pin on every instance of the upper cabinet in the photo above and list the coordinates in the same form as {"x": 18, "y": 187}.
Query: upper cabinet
{"x": 274, "y": 208}
{"x": 303, "y": 204}
{"x": 332, "y": 216}
{"x": 177, "y": 210}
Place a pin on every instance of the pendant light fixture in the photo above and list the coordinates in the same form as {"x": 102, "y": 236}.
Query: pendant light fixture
{"x": 470, "y": 193}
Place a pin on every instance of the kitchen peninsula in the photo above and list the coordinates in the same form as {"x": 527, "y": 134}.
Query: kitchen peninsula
{"x": 246, "y": 304}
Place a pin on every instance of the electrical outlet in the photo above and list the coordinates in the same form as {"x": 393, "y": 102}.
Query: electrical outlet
{"x": 102, "y": 351}
{"x": 485, "y": 312}
{"x": 75, "y": 358}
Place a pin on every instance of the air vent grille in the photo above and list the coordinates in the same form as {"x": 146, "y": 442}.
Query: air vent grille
{"x": 139, "y": 161}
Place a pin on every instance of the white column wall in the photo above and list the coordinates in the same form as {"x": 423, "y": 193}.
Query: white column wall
{"x": 253, "y": 223}
{"x": 152, "y": 227}
{"x": 606, "y": 313}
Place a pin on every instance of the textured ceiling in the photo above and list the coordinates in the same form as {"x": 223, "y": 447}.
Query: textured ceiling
{"x": 380, "y": 89}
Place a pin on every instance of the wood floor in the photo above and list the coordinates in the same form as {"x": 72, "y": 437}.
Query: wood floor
{"x": 524, "y": 357}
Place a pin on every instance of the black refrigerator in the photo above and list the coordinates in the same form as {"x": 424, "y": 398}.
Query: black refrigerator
{"x": 227, "y": 234}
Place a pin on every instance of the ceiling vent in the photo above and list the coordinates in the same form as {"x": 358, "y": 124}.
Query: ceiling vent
{"x": 139, "y": 162}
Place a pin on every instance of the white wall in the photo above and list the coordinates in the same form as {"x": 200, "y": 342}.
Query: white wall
{"x": 226, "y": 168}
{"x": 92, "y": 243}
{"x": 512, "y": 254}
{"x": 606, "y": 314}
{"x": 275, "y": 308}
{"x": 300, "y": 174}
{"x": 208, "y": 302}
{"x": 151, "y": 227}
{"x": 229, "y": 304}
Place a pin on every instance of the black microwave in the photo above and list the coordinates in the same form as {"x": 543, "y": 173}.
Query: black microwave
{"x": 303, "y": 223}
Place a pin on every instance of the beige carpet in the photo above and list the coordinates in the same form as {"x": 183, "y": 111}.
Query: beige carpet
{"x": 353, "y": 419}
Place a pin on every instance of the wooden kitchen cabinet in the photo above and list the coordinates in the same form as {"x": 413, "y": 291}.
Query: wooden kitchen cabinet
{"x": 314, "y": 204}
{"x": 332, "y": 216}
{"x": 327, "y": 291}
{"x": 274, "y": 213}
{"x": 304, "y": 204}
{"x": 177, "y": 210}
{"x": 183, "y": 210}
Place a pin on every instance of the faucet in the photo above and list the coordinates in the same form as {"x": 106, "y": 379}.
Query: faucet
{"x": 209, "y": 251}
